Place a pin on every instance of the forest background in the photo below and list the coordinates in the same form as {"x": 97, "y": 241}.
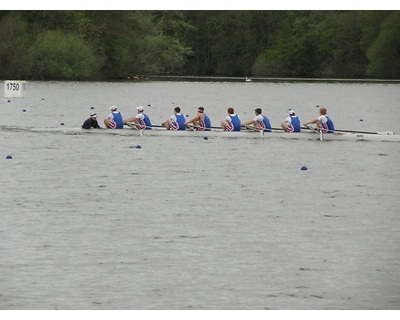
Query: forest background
{"x": 126, "y": 44}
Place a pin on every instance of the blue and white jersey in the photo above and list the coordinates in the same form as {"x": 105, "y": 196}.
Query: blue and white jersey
{"x": 263, "y": 122}
{"x": 147, "y": 121}
{"x": 233, "y": 122}
{"x": 294, "y": 124}
{"x": 327, "y": 125}
{"x": 144, "y": 122}
{"x": 117, "y": 121}
{"x": 205, "y": 125}
{"x": 178, "y": 122}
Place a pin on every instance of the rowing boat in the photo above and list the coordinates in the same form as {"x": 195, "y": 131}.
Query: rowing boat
{"x": 245, "y": 133}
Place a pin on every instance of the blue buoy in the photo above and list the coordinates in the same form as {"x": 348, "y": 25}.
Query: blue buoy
{"x": 62, "y": 123}
{"x": 361, "y": 120}
{"x": 92, "y": 108}
{"x": 317, "y": 106}
{"x": 138, "y": 147}
{"x": 23, "y": 110}
{"x": 304, "y": 168}
{"x": 187, "y": 116}
{"x": 205, "y": 138}
{"x": 9, "y": 157}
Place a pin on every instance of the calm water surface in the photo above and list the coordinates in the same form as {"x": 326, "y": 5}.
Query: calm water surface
{"x": 91, "y": 222}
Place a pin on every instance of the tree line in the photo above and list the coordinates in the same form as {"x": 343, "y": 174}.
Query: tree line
{"x": 102, "y": 45}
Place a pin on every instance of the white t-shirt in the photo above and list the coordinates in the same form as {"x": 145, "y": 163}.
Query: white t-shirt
{"x": 259, "y": 118}
{"x": 140, "y": 116}
{"x": 322, "y": 119}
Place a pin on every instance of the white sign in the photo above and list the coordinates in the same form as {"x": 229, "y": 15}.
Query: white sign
{"x": 14, "y": 88}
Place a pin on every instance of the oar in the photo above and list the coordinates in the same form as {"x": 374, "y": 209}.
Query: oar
{"x": 366, "y": 132}
{"x": 355, "y": 131}
{"x": 152, "y": 126}
{"x": 247, "y": 128}
{"x": 253, "y": 128}
{"x": 312, "y": 129}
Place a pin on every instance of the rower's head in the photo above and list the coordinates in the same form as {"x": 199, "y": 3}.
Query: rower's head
{"x": 291, "y": 112}
{"x": 177, "y": 109}
{"x": 258, "y": 111}
{"x": 93, "y": 116}
{"x": 200, "y": 109}
{"x": 231, "y": 110}
{"x": 322, "y": 111}
{"x": 140, "y": 109}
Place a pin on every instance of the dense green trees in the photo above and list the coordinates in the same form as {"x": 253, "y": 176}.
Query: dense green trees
{"x": 56, "y": 54}
{"x": 75, "y": 45}
{"x": 384, "y": 52}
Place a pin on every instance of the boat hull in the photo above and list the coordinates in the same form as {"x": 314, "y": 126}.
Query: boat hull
{"x": 217, "y": 133}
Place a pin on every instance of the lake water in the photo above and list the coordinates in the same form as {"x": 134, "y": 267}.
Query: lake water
{"x": 91, "y": 222}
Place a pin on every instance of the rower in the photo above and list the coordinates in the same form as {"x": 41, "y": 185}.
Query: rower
{"x": 291, "y": 123}
{"x": 231, "y": 122}
{"x": 260, "y": 122}
{"x": 323, "y": 122}
{"x": 201, "y": 121}
{"x": 114, "y": 119}
{"x": 141, "y": 120}
{"x": 176, "y": 121}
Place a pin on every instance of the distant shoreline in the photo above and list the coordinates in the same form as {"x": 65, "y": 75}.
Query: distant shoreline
{"x": 224, "y": 79}
{"x": 265, "y": 79}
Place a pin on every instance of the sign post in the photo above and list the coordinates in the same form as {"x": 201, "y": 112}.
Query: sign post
{"x": 14, "y": 89}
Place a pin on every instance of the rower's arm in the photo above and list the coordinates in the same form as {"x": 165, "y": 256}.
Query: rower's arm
{"x": 309, "y": 122}
{"x": 247, "y": 123}
{"x": 193, "y": 120}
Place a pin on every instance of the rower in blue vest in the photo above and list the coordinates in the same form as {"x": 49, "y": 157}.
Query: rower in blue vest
{"x": 231, "y": 122}
{"x": 291, "y": 123}
{"x": 141, "y": 120}
{"x": 201, "y": 121}
{"x": 114, "y": 119}
{"x": 176, "y": 121}
{"x": 261, "y": 122}
{"x": 323, "y": 122}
